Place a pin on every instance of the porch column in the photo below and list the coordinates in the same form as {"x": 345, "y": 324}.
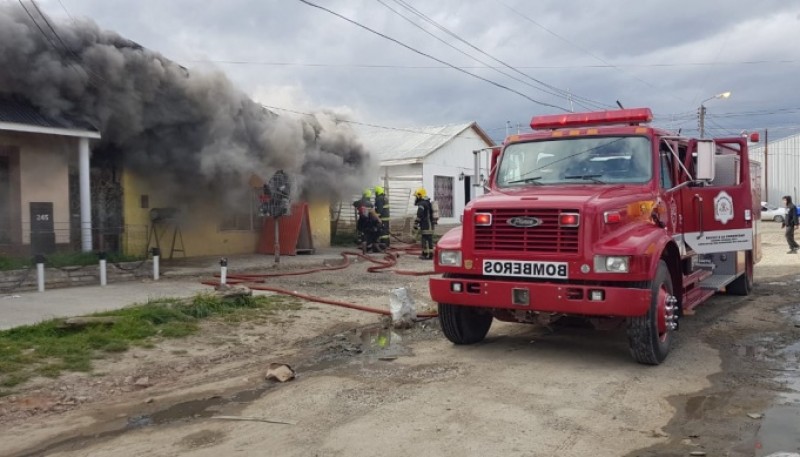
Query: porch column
{"x": 86, "y": 198}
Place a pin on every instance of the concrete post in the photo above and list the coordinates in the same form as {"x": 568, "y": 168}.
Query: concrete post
{"x": 86, "y": 197}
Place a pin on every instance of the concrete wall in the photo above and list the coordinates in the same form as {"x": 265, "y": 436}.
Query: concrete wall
{"x": 44, "y": 162}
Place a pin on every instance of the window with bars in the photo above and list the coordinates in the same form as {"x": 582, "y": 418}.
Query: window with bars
{"x": 443, "y": 194}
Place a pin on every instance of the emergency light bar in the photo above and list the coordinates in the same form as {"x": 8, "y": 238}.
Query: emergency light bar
{"x": 621, "y": 116}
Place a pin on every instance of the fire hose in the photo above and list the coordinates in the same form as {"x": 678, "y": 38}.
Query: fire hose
{"x": 390, "y": 257}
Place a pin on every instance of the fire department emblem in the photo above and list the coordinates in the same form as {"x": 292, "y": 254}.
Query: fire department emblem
{"x": 723, "y": 207}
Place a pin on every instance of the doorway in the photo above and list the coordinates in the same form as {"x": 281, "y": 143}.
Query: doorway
{"x": 467, "y": 189}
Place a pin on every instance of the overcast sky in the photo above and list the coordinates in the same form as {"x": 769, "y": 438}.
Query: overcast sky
{"x": 668, "y": 56}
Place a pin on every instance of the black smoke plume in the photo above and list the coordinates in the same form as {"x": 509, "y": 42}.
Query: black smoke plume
{"x": 194, "y": 130}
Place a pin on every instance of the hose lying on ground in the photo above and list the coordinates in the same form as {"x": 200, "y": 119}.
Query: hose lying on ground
{"x": 390, "y": 256}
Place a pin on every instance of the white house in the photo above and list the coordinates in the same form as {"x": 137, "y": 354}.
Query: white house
{"x": 440, "y": 159}
{"x": 780, "y": 174}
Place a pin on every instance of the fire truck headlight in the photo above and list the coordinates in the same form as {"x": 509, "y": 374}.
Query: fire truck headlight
{"x": 611, "y": 264}
{"x": 450, "y": 258}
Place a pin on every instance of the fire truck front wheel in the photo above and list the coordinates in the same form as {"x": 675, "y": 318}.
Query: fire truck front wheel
{"x": 650, "y": 336}
{"x": 464, "y": 324}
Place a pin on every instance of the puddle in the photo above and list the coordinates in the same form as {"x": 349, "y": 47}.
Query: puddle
{"x": 780, "y": 427}
{"x": 382, "y": 343}
{"x": 780, "y": 431}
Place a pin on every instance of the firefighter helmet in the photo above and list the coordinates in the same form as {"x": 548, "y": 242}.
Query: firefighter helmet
{"x": 367, "y": 193}
{"x": 379, "y": 190}
{"x": 420, "y": 193}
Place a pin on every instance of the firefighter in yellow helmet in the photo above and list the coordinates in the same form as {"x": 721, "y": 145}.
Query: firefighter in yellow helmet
{"x": 424, "y": 222}
{"x": 382, "y": 208}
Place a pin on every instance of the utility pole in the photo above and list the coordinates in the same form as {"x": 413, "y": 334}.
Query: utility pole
{"x": 702, "y": 121}
{"x": 766, "y": 165}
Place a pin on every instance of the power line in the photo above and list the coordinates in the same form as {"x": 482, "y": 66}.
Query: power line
{"x": 496, "y": 84}
{"x": 365, "y": 124}
{"x": 439, "y": 26}
{"x": 485, "y": 65}
{"x": 586, "y": 51}
{"x": 475, "y": 67}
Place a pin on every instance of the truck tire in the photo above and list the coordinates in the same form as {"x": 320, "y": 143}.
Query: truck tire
{"x": 743, "y": 285}
{"x": 650, "y": 345}
{"x": 464, "y": 324}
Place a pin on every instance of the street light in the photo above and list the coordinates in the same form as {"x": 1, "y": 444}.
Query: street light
{"x": 702, "y": 110}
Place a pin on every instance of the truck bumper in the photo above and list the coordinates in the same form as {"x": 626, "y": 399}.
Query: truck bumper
{"x": 542, "y": 297}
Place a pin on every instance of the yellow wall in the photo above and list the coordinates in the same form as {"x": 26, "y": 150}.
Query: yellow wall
{"x": 199, "y": 226}
{"x": 44, "y": 177}
{"x": 320, "y": 215}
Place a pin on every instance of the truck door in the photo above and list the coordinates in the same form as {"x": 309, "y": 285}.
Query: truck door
{"x": 669, "y": 205}
{"x": 718, "y": 215}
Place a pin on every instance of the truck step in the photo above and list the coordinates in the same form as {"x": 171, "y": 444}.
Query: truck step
{"x": 717, "y": 282}
{"x": 696, "y": 277}
{"x": 695, "y": 297}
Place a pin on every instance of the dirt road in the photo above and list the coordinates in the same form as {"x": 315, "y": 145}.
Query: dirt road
{"x": 726, "y": 388}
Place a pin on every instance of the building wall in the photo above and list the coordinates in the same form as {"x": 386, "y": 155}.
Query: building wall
{"x": 199, "y": 224}
{"x": 782, "y": 170}
{"x": 44, "y": 162}
{"x": 451, "y": 160}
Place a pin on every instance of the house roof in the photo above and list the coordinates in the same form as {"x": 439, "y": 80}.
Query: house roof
{"x": 19, "y": 116}
{"x": 413, "y": 145}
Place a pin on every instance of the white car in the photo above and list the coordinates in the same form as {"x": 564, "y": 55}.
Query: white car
{"x": 772, "y": 212}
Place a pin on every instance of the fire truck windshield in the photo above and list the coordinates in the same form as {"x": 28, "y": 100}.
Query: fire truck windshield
{"x": 577, "y": 160}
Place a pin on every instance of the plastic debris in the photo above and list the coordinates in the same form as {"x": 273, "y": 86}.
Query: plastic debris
{"x": 280, "y": 372}
{"x": 402, "y": 307}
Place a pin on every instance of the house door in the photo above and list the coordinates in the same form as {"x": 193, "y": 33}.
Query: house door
{"x": 467, "y": 189}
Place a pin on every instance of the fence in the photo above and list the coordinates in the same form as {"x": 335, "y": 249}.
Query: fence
{"x": 63, "y": 238}
{"x": 400, "y": 193}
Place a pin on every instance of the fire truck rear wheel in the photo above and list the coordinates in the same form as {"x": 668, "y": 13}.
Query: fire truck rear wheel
{"x": 648, "y": 344}
{"x": 743, "y": 285}
{"x": 464, "y": 324}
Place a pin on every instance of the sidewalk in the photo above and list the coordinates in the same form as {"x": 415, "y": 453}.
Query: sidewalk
{"x": 179, "y": 278}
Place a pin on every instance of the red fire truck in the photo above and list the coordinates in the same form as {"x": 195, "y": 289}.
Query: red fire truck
{"x": 602, "y": 216}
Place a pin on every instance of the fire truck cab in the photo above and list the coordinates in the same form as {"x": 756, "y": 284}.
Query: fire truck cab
{"x": 599, "y": 215}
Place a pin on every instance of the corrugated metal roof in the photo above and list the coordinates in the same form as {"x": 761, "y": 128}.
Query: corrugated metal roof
{"x": 16, "y": 111}
{"x": 408, "y": 144}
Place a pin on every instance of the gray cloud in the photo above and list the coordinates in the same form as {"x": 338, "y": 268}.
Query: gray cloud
{"x": 632, "y": 36}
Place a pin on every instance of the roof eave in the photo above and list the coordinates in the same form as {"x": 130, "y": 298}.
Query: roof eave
{"x": 27, "y": 128}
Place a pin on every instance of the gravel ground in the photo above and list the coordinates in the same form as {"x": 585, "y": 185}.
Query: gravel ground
{"x": 364, "y": 389}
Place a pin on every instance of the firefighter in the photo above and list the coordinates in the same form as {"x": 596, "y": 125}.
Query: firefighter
{"x": 382, "y": 208}
{"x": 424, "y": 222}
{"x": 362, "y": 207}
{"x": 372, "y": 232}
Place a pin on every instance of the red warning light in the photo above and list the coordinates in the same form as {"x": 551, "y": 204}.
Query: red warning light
{"x": 620, "y": 116}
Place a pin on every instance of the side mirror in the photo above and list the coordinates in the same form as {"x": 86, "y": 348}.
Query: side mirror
{"x": 706, "y": 150}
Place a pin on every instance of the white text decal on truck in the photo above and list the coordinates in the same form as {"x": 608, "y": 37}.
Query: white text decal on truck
{"x": 524, "y": 269}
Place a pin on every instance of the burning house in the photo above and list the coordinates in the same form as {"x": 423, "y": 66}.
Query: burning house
{"x": 177, "y": 157}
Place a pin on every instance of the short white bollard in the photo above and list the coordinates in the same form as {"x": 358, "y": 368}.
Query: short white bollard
{"x": 223, "y": 271}
{"x": 39, "y": 259}
{"x": 103, "y": 277}
{"x": 156, "y": 255}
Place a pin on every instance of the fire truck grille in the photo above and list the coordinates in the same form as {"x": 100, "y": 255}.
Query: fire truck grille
{"x": 547, "y": 237}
